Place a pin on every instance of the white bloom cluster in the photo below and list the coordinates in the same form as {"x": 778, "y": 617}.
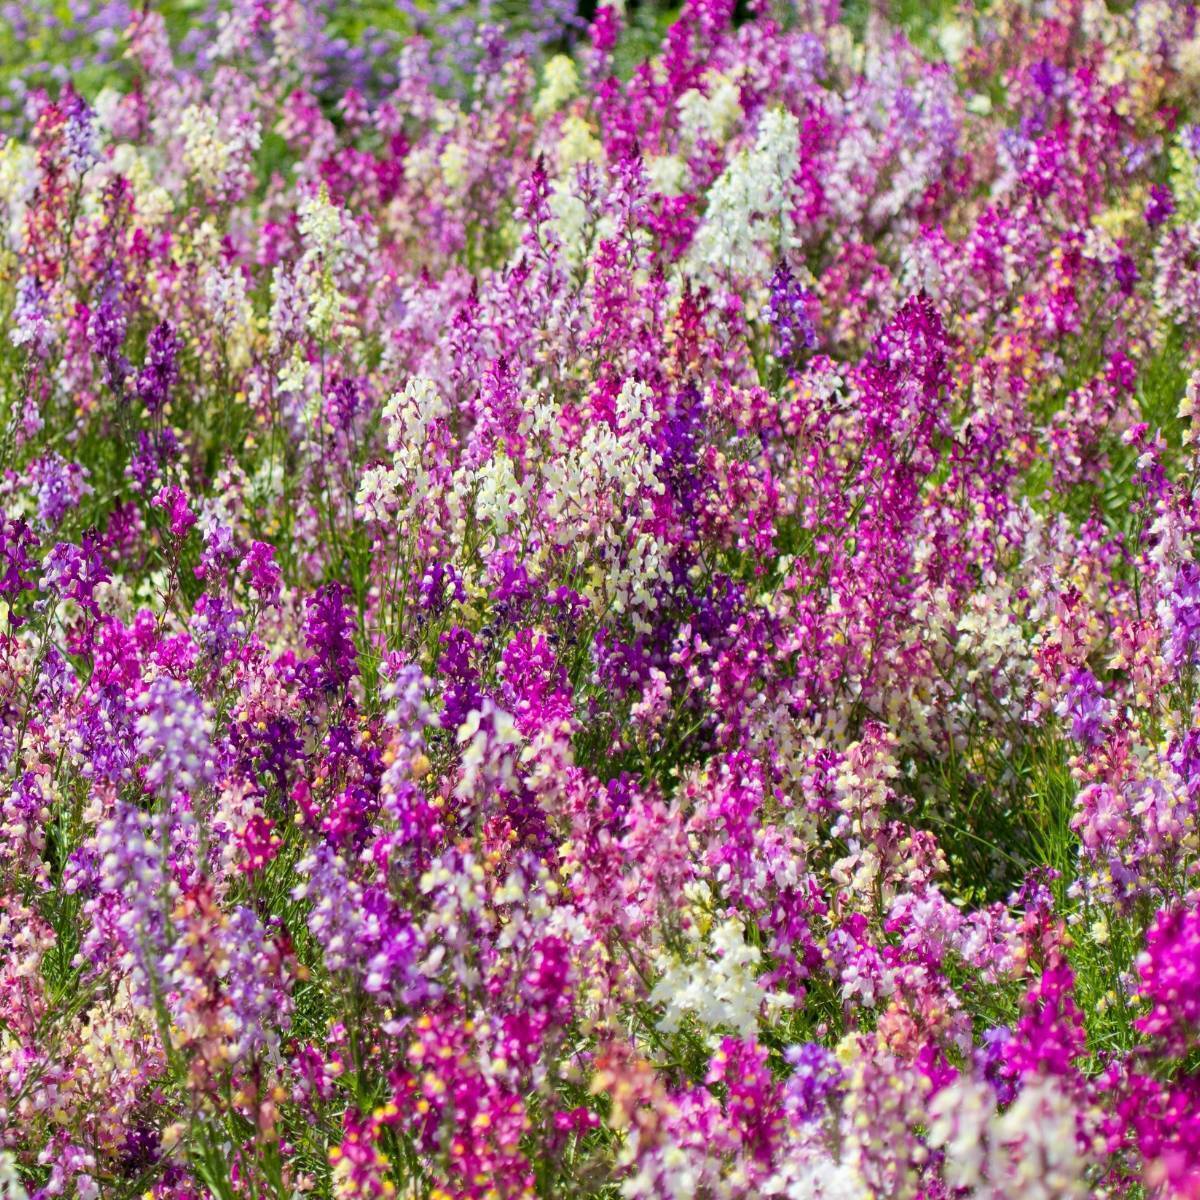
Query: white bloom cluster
{"x": 588, "y": 488}
{"x": 609, "y": 461}
{"x": 672, "y": 1171}
{"x": 666, "y": 173}
{"x": 571, "y": 221}
{"x": 376, "y": 498}
{"x": 720, "y": 989}
{"x": 960, "y": 1115}
{"x": 217, "y": 158}
{"x": 810, "y": 1173}
{"x": 990, "y": 635}
{"x": 577, "y": 144}
{"x": 320, "y": 224}
{"x": 321, "y": 233}
{"x": 407, "y": 417}
{"x": 204, "y": 153}
{"x": 489, "y": 737}
{"x": 325, "y": 310}
{"x": 500, "y": 497}
{"x": 1188, "y": 408}
{"x": 712, "y": 116}
{"x": 142, "y": 168}
{"x": 228, "y": 304}
{"x": 453, "y": 161}
{"x": 560, "y": 82}
{"x": 1032, "y": 1149}
{"x": 18, "y": 179}
{"x": 747, "y": 221}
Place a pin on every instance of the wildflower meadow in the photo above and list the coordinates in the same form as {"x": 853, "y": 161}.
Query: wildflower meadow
{"x": 599, "y": 601}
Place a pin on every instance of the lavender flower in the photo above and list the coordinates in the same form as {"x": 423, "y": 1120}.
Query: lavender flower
{"x": 16, "y": 541}
{"x": 815, "y": 1076}
{"x": 174, "y": 731}
{"x": 106, "y": 333}
{"x": 1086, "y": 707}
{"x": 1181, "y": 616}
{"x": 328, "y": 633}
{"x": 160, "y": 370}
{"x": 788, "y": 314}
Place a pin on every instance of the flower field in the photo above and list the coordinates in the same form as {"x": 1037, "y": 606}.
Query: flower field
{"x": 600, "y": 601}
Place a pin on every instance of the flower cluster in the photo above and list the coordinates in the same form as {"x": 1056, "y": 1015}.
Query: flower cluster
{"x": 599, "y": 600}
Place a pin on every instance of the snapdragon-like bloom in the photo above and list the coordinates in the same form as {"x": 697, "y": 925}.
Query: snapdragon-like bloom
{"x": 748, "y": 215}
{"x": 160, "y": 370}
{"x": 1181, "y": 615}
{"x": 258, "y": 1001}
{"x": 58, "y": 486}
{"x": 174, "y": 502}
{"x": 131, "y": 870}
{"x": 360, "y": 928}
{"x": 787, "y": 313}
{"x": 1084, "y": 704}
{"x": 262, "y": 572}
{"x": 1159, "y": 206}
{"x": 1169, "y": 969}
{"x": 74, "y": 572}
{"x": 816, "y": 1075}
{"x": 16, "y": 542}
{"x": 106, "y": 330}
{"x": 80, "y": 131}
{"x": 30, "y": 324}
{"x": 721, "y": 987}
{"x": 174, "y": 732}
{"x": 328, "y": 633}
